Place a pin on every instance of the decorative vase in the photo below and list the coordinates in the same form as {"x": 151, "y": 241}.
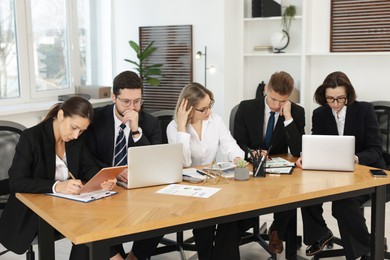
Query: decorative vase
{"x": 241, "y": 174}
{"x": 280, "y": 41}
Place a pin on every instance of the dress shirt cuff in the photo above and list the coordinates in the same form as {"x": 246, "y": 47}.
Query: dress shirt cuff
{"x": 137, "y": 138}
{"x": 356, "y": 159}
{"x": 54, "y": 187}
{"x": 287, "y": 122}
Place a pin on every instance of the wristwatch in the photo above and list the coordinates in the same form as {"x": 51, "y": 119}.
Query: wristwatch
{"x": 138, "y": 131}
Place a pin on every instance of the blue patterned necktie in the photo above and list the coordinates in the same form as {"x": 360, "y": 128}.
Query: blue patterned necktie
{"x": 120, "y": 157}
{"x": 270, "y": 129}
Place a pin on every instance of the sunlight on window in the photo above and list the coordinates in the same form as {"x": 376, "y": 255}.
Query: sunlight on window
{"x": 9, "y": 75}
{"x": 50, "y": 44}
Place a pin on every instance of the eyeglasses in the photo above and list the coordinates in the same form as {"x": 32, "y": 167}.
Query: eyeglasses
{"x": 127, "y": 102}
{"x": 214, "y": 174}
{"x": 204, "y": 109}
{"x": 331, "y": 100}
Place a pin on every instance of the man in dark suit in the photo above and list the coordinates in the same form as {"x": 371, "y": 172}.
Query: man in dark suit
{"x": 124, "y": 119}
{"x": 274, "y": 121}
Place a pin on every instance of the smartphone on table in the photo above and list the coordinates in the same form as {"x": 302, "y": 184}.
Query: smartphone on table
{"x": 378, "y": 173}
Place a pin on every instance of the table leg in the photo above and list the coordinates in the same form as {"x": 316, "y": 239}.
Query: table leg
{"x": 378, "y": 223}
{"x": 45, "y": 240}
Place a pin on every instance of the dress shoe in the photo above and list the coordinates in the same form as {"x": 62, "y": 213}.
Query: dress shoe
{"x": 275, "y": 244}
{"x": 320, "y": 244}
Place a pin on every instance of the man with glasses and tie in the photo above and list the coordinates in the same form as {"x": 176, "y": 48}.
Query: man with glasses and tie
{"x": 120, "y": 125}
{"x": 274, "y": 121}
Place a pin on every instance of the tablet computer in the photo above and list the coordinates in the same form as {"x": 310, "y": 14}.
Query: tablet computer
{"x": 104, "y": 174}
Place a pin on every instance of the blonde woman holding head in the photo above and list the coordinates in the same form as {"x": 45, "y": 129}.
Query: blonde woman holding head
{"x": 202, "y": 133}
{"x": 199, "y": 130}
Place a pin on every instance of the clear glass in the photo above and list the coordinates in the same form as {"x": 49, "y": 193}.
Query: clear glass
{"x": 9, "y": 73}
{"x": 50, "y": 44}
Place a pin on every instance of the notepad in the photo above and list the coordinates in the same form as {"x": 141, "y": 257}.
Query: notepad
{"x": 85, "y": 197}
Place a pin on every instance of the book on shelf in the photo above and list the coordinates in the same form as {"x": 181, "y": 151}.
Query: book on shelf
{"x": 264, "y": 48}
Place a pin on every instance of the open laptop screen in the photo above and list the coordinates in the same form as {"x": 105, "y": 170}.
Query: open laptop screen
{"x": 328, "y": 152}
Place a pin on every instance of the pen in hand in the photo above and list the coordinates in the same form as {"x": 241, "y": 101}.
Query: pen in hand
{"x": 71, "y": 175}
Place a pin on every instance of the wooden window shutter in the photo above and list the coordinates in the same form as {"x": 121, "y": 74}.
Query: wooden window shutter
{"x": 174, "y": 51}
{"x": 360, "y": 25}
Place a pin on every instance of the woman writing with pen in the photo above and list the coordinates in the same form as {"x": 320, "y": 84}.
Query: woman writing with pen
{"x": 46, "y": 157}
{"x": 202, "y": 133}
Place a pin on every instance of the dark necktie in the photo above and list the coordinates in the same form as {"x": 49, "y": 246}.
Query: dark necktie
{"x": 270, "y": 129}
{"x": 120, "y": 157}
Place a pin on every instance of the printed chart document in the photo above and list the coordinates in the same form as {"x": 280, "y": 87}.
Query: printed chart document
{"x": 278, "y": 162}
{"x": 85, "y": 197}
{"x": 278, "y": 165}
{"x": 189, "y": 190}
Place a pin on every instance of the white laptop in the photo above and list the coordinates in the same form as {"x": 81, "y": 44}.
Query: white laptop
{"x": 152, "y": 165}
{"x": 328, "y": 152}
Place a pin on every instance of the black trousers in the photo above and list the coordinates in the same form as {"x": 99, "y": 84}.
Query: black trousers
{"x": 221, "y": 241}
{"x": 350, "y": 219}
{"x": 142, "y": 249}
{"x": 281, "y": 222}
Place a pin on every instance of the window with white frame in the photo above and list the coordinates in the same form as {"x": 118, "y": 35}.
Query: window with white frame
{"x": 48, "y": 47}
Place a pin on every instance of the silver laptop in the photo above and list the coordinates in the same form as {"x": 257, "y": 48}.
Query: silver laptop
{"x": 153, "y": 165}
{"x": 328, "y": 152}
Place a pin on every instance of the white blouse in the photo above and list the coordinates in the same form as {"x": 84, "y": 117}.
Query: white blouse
{"x": 215, "y": 135}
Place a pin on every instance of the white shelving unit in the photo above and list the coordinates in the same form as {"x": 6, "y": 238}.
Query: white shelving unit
{"x": 259, "y": 65}
{"x": 308, "y": 58}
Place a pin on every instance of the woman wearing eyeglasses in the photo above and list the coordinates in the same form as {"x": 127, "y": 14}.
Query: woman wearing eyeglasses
{"x": 201, "y": 132}
{"x": 340, "y": 114}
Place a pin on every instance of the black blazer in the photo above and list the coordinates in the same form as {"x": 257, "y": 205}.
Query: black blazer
{"x": 248, "y": 128}
{"x": 100, "y": 134}
{"x": 33, "y": 171}
{"x": 361, "y": 122}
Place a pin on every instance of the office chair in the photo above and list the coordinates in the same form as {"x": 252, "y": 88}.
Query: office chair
{"x": 165, "y": 117}
{"x": 9, "y": 137}
{"x": 382, "y": 111}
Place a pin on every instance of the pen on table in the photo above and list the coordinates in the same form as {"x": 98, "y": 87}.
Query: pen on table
{"x": 204, "y": 174}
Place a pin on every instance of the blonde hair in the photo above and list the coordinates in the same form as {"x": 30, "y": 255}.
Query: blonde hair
{"x": 193, "y": 93}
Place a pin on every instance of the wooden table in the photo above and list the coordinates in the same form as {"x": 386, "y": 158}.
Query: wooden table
{"x": 141, "y": 213}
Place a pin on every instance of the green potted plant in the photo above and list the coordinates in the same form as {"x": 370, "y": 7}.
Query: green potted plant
{"x": 146, "y": 73}
{"x": 280, "y": 40}
{"x": 287, "y": 16}
{"x": 241, "y": 172}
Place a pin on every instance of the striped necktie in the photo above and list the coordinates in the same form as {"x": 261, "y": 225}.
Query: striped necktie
{"x": 270, "y": 129}
{"x": 120, "y": 157}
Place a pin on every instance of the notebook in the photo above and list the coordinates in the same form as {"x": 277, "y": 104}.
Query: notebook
{"x": 328, "y": 152}
{"x": 153, "y": 165}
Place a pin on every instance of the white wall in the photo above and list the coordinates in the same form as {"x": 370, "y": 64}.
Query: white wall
{"x": 215, "y": 25}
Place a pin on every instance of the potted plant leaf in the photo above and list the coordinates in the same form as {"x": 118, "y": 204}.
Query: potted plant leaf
{"x": 280, "y": 40}
{"x": 241, "y": 172}
{"x": 146, "y": 73}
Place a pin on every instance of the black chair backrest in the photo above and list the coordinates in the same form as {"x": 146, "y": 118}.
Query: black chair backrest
{"x": 231, "y": 119}
{"x": 382, "y": 111}
{"x": 165, "y": 117}
{"x": 9, "y": 137}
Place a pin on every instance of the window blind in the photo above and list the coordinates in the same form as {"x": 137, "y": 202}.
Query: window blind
{"x": 174, "y": 51}
{"x": 360, "y": 25}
